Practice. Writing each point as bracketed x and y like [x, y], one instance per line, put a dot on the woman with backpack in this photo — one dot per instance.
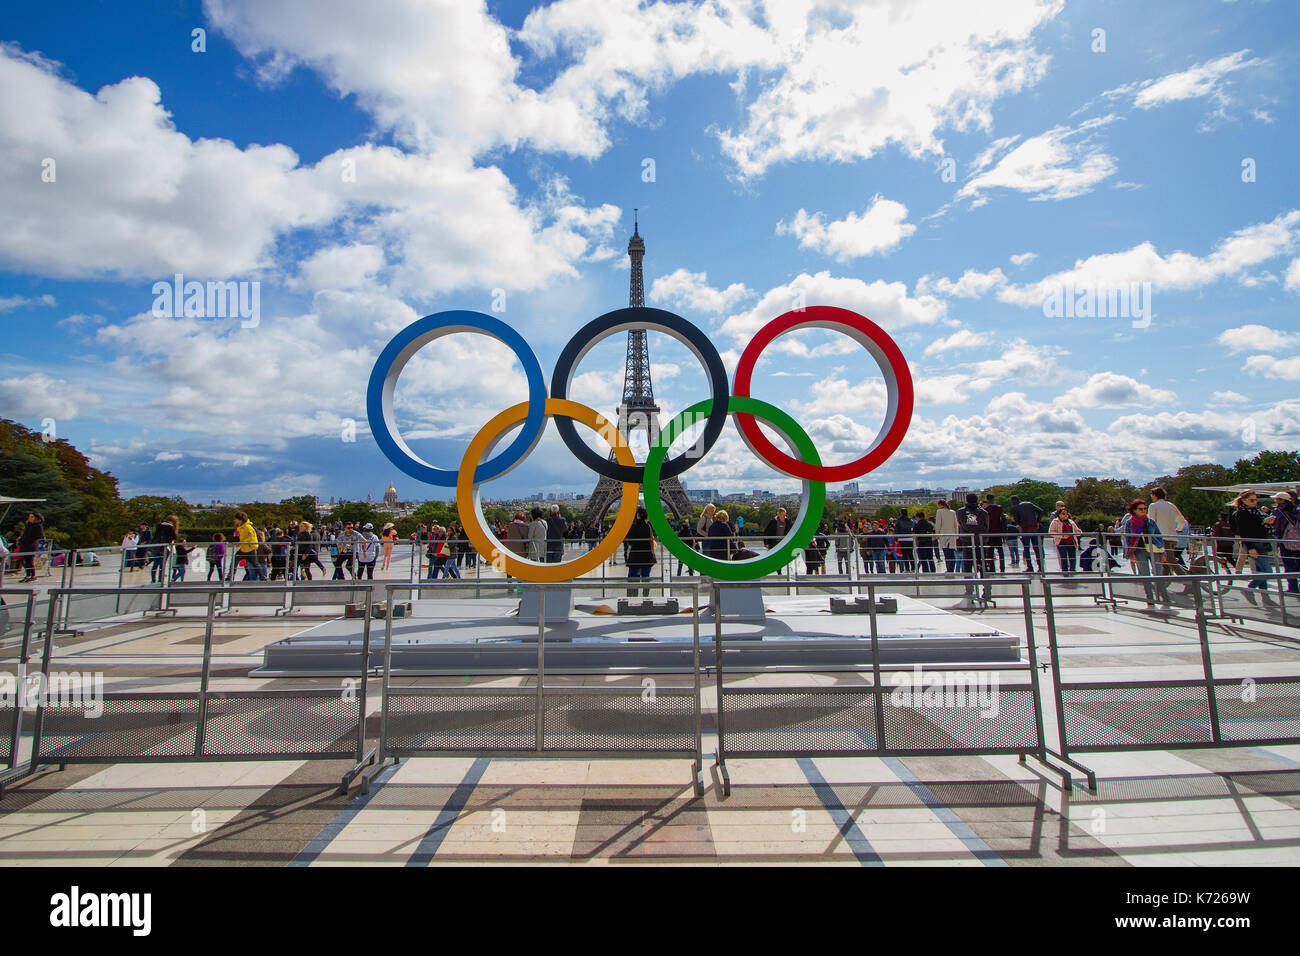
[216, 555]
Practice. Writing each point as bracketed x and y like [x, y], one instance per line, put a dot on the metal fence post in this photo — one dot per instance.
[15, 737]
[877, 687]
[45, 675]
[541, 660]
[1054, 649]
[1207, 666]
[205, 675]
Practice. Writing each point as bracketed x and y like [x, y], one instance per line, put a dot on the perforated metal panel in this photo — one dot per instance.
[960, 719]
[289, 722]
[422, 720]
[784, 720]
[1258, 710]
[622, 722]
[132, 725]
[8, 714]
[1118, 716]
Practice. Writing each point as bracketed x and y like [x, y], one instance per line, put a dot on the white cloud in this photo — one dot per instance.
[1258, 338]
[340, 267]
[142, 200]
[963, 339]
[916, 68]
[1293, 276]
[885, 303]
[19, 302]
[1228, 397]
[1201, 80]
[1112, 390]
[1059, 164]
[692, 290]
[1270, 367]
[1179, 270]
[880, 227]
[1024, 258]
[971, 285]
[38, 396]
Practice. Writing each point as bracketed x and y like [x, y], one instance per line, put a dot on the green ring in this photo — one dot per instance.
[812, 506]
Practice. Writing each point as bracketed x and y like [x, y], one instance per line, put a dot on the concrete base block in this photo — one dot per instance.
[559, 606]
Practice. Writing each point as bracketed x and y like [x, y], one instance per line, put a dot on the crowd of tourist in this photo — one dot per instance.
[979, 537]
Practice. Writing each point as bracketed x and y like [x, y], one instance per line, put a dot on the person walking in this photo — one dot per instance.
[129, 541]
[247, 536]
[216, 555]
[516, 539]
[973, 525]
[556, 530]
[537, 530]
[164, 539]
[1167, 515]
[308, 553]
[1065, 534]
[367, 552]
[997, 520]
[1255, 531]
[1029, 517]
[1286, 527]
[945, 526]
[389, 537]
[686, 532]
[924, 542]
[718, 539]
[640, 552]
[348, 542]
[1140, 538]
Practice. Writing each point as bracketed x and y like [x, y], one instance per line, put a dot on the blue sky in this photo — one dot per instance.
[944, 168]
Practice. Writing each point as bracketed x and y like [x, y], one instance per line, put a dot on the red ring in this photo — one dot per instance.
[892, 432]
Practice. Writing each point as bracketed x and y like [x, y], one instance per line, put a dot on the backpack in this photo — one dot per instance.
[214, 553]
[1291, 533]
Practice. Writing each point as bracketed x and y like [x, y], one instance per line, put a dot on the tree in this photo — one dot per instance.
[303, 505]
[37, 476]
[1045, 494]
[1100, 496]
[1268, 466]
[151, 509]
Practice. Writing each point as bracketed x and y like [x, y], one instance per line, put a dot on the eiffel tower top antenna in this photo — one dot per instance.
[638, 390]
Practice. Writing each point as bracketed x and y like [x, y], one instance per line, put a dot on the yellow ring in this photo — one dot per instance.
[469, 507]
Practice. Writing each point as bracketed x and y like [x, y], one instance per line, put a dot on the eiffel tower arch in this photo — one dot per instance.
[638, 409]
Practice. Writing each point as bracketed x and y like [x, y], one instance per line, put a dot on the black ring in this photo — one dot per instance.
[658, 320]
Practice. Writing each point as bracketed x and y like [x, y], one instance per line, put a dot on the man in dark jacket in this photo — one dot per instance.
[973, 527]
[776, 529]
[33, 534]
[556, 530]
[640, 552]
[1029, 516]
[996, 522]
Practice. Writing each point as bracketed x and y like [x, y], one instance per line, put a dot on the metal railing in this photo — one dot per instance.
[859, 716]
[205, 724]
[544, 720]
[1129, 714]
[872, 720]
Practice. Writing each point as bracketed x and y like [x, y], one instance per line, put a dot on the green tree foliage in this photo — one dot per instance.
[92, 515]
[1099, 496]
[36, 476]
[303, 505]
[1045, 494]
[151, 509]
[1268, 466]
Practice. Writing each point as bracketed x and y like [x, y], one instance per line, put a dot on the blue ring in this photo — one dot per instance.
[389, 365]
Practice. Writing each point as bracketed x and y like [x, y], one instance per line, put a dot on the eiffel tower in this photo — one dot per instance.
[638, 409]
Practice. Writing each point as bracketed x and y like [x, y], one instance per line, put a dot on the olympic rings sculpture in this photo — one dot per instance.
[479, 464]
